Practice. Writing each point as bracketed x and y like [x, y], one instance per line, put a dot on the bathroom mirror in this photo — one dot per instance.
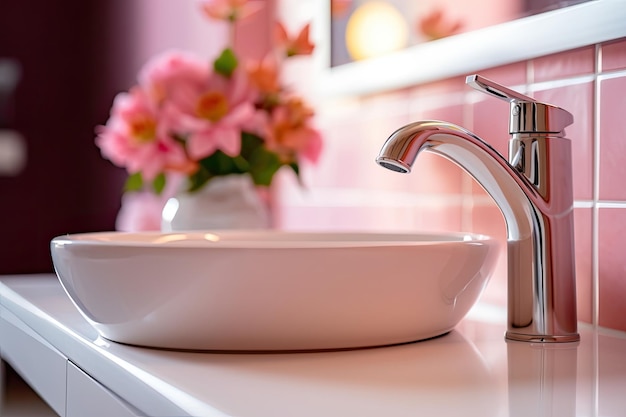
[529, 37]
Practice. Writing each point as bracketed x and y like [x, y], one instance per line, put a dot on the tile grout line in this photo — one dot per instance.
[595, 276]
[595, 289]
[467, 201]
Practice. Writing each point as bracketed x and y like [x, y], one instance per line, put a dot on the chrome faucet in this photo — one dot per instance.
[534, 192]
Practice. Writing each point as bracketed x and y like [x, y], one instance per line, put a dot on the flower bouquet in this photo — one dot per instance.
[198, 119]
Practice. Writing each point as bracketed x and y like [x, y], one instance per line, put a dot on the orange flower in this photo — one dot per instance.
[212, 105]
[264, 75]
[230, 10]
[142, 127]
[436, 26]
[338, 8]
[290, 131]
[299, 45]
[186, 167]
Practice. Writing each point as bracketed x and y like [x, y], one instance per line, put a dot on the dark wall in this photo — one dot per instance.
[72, 58]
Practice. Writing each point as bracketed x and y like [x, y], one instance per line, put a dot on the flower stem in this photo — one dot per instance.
[232, 33]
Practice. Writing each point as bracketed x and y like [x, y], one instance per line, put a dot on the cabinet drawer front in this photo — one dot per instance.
[37, 361]
[86, 397]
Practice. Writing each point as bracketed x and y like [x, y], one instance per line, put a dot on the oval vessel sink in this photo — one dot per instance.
[272, 290]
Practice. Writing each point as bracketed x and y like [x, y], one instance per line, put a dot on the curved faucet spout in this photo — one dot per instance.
[537, 208]
[507, 187]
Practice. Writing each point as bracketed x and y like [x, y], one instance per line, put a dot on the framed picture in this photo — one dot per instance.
[469, 45]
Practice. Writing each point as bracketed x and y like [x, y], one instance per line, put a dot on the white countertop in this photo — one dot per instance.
[471, 371]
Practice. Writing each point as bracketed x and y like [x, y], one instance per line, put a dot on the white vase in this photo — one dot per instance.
[228, 202]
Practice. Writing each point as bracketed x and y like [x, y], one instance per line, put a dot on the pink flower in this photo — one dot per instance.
[174, 76]
[136, 137]
[214, 115]
[230, 10]
[186, 108]
[204, 107]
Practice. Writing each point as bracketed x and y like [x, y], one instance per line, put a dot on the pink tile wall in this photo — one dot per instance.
[578, 99]
[612, 138]
[590, 82]
[565, 64]
[612, 267]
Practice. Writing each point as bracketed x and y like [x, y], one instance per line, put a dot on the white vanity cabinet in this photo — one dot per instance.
[68, 390]
[41, 365]
[86, 397]
[48, 342]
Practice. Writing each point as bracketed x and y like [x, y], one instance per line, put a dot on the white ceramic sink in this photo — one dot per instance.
[271, 290]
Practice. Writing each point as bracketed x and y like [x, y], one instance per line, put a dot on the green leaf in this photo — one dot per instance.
[217, 164]
[134, 182]
[263, 165]
[226, 63]
[221, 164]
[198, 179]
[249, 144]
[296, 168]
[263, 162]
[159, 183]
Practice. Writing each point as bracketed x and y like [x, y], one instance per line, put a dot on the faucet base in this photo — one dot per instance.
[542, 338]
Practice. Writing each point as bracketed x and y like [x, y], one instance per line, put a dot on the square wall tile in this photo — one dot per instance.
[439, 217]
[352, 143]
[477, 191]
[488, 220]
[612, 139]
[442, 87]
[511, 75]
[612, 268]
[565, 64]
[434, 174]
[578, 100]
[340, 163]
[583, 253]
[389, 218]
[614, 55]
[438, 100]
[451, 112]
[490, 121]
[346, 218]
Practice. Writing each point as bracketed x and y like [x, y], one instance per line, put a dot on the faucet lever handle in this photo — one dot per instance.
[494, 89]
[527, 114]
